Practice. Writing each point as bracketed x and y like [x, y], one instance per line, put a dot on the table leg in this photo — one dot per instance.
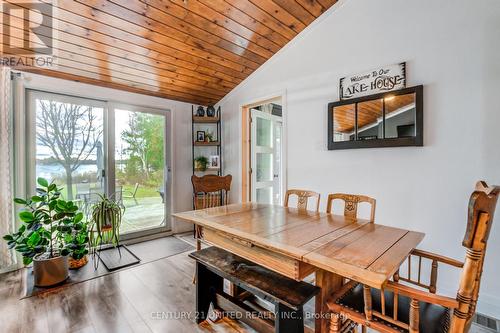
[329, 283]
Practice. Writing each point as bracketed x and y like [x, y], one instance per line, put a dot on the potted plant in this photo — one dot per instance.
[200, 163]
[77, 243]
[209, 136]
[47, 221]
[105, 224]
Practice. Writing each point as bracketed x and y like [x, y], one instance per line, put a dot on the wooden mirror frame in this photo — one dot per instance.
[416, 140]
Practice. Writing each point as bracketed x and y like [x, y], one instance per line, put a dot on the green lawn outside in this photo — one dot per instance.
[142, 191]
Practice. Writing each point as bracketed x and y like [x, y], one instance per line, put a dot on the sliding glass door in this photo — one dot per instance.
[140, 168]
[92, 147]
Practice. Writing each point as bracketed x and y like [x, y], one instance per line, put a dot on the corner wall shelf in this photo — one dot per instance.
[204, 148]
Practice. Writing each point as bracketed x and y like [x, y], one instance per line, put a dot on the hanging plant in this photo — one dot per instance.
[106, 218]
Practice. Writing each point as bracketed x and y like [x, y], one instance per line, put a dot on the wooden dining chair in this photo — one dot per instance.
[351, 202]
[209, 191]
[400, 307]
[302, 199]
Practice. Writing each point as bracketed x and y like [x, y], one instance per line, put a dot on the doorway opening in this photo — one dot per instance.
[263, 152]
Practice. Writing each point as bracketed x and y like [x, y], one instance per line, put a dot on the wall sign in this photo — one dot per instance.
[383, 79]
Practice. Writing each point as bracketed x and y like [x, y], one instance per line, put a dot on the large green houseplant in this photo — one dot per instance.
[51, 229]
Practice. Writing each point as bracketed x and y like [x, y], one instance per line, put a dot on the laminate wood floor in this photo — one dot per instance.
[154, 297]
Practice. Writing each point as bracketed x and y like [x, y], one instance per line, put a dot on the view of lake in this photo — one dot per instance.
[55, 170]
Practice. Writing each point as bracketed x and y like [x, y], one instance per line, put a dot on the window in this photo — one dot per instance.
[92, 148]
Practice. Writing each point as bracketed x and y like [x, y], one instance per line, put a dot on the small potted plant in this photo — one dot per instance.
[105, 224]
[77, 243]
[47, 221]
[200, 163]
[209, 136]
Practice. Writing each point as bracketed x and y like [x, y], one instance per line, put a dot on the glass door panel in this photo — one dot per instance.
[69, 145]
[266, 158]
[139, 157]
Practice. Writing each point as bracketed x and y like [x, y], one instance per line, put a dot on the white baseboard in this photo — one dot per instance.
[489, 305]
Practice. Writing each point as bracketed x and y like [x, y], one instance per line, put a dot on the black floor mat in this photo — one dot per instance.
[118, 257]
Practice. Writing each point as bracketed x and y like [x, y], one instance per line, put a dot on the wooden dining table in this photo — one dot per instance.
[297, 244]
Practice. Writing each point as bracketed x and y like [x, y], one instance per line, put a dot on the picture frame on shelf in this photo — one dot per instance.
[214, 162]
[200, 136]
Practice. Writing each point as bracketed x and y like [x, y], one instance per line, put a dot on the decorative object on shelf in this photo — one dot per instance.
[391, 119]
[210, 111]
[201, 163]
[45, 236]
[200, 112]
[105, 228]
[209, 136]
[200, 136]
[214, 162]
[383, 79]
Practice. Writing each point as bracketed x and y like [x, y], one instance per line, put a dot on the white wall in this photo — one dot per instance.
[452, 48]
[180, 136]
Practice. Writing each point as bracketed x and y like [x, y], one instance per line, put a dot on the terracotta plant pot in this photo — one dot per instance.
[77, 263]
[50, 271]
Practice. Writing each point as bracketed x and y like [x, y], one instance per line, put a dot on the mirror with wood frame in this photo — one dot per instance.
[389, 119]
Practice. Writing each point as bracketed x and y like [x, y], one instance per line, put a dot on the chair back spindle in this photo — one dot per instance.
[351, 202]
[209, 191]
[302, 199]
[481, 210]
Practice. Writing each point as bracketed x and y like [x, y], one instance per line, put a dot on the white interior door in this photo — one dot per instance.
[266, 157]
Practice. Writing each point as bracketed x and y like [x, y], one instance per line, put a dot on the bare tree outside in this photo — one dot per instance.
[71, 132]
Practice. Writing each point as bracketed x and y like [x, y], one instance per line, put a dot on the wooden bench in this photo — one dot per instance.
[288, 296]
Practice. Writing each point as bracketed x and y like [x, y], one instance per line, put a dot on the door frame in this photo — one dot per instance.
[245, 139]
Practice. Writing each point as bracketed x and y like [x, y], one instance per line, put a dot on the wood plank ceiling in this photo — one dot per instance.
[188, 50]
